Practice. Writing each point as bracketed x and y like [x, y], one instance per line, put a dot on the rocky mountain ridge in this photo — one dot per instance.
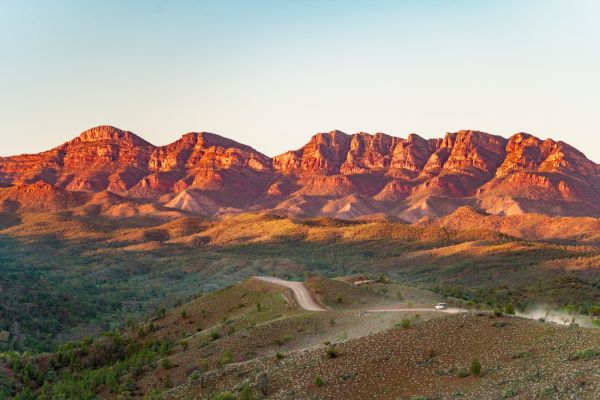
[334, 174]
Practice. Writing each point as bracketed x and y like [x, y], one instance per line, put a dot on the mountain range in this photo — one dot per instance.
[109, 171]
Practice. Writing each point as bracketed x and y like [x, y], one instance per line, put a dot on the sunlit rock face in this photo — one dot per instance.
[334, 174]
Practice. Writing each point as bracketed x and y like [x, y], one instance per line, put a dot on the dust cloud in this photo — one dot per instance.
[546, 314]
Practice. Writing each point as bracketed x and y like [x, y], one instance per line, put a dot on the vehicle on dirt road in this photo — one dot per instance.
[441, 306]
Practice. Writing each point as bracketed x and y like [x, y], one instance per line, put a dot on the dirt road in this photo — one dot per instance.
[302, 294]
[447, 310]
[306, 300]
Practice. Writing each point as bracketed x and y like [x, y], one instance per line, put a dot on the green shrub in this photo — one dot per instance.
[226, 357]
[245, 393]
[165, 363]
[462, 373]
[215, 334]
[153, 394]
[586, 354]
[283, 340]
[319, 381]
[509, 309]
[331, 352]
[194, 376]
[475, 367]
[570, 309]
[594, 311]
[404, 323]
[203, 364]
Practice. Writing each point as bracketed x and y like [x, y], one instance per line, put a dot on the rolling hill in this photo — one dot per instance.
[252, 341]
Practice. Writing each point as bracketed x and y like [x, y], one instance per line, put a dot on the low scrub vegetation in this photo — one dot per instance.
[586, 354]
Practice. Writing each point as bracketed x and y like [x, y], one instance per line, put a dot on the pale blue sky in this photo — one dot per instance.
[272, 73]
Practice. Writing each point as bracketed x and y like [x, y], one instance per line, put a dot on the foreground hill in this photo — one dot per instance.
[334, 174]
[252, 341]
[73, 273]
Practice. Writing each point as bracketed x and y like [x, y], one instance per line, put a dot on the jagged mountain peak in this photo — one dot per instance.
[463, 167]
[208, 139]
[109, 133]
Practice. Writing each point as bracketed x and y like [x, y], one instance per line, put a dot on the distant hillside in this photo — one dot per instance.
[334, 174]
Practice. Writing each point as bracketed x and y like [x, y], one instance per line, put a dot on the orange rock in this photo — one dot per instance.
[334, 174]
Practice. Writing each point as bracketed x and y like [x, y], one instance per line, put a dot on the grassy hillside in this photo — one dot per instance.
[65, 276]
[251, 341]
[237, 324]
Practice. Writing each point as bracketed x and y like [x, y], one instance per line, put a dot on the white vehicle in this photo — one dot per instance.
[441, 306]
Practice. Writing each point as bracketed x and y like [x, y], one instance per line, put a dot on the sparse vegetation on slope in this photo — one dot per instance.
[65, 276]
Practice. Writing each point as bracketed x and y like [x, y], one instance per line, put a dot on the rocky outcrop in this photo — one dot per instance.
[323, 154]
[334, 174]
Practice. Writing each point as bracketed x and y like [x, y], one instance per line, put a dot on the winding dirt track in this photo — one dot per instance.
[447, 310]
[302, 294]
[306, 300]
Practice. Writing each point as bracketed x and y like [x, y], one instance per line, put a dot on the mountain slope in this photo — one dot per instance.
[334, 174]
